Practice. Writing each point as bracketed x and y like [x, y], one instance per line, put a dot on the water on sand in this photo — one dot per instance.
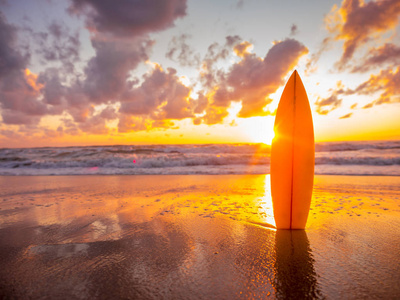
[184, 237]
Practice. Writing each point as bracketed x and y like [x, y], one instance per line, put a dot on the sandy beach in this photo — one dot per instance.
[195, 237]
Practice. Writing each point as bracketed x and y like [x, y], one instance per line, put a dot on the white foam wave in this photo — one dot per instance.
[331, 158]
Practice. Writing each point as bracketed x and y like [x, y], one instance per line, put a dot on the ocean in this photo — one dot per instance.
[334, 158]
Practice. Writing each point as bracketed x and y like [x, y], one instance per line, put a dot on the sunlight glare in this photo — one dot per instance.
[258, 129]
[267, 199]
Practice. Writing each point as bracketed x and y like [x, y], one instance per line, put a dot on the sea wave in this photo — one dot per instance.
[356, 158]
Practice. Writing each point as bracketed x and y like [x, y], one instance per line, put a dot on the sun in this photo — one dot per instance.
[258, 129]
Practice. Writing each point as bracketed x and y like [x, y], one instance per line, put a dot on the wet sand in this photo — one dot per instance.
[195, 237]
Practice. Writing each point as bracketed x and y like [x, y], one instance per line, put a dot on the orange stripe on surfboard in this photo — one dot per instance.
[292, 157]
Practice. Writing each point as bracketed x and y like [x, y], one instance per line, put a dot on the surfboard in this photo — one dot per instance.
[292, 157]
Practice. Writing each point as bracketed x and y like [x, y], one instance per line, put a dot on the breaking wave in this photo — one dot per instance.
[355, 158]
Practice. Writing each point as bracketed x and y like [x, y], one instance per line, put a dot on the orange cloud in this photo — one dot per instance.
[356, 23]
[346, 116]
[251, 80]
[387, 81]
[326, 105]
[128, 18]
[242, 49]
[31, 80]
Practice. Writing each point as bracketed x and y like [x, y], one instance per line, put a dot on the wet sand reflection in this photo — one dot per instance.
[185, 242]
[295, 274]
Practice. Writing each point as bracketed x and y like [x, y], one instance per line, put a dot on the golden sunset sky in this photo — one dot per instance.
[97, 72]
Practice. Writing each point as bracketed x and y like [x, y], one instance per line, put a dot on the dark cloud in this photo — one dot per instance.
[357, 22]
[94, 125]
[107, 72]
[19, 90]
[326, 105]
[53, 90]
[105, 90]
[11, 60]
[109, 113]
[120, 40]
[56, 46]
[129, 18]
[179, 50]
[59, 46]
[161, 96]
[13, 117]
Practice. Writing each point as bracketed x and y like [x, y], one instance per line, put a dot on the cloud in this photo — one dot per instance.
[129, 18]
[11, 60]
[354, 106]
[369, 105]
[326, 105]
[180, 51]
[109, 113]
[356, 23]
[387, 82]
[104, 90]
[53, 90]
[346, 116]
[57, 44]
[293, 30]
[160, 96]
[377, 57]
[311, 65]
[19, 89]
[106, 74]
[210, 75]
[214, 115]
[120, 39]
[128, 123]
[200, 104]
[95, 125]
[119, 36]
[243, 48]
[253, 79]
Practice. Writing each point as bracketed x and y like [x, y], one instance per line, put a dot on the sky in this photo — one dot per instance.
[97, 72]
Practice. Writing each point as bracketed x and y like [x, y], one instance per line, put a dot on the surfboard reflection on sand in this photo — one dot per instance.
[295, 275]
